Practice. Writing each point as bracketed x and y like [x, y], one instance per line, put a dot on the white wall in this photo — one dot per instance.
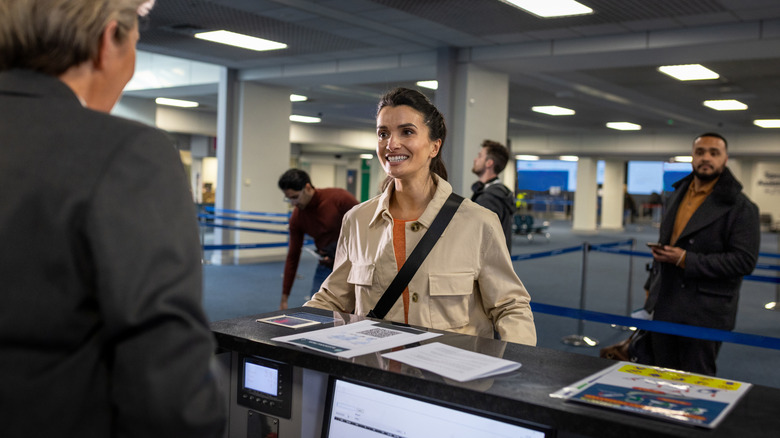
[765, 188]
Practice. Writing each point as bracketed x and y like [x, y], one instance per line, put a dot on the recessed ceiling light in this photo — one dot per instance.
[767, 123]
[240, 40]
[624, 126]
[569, 158]
[175, 102]
[725, 105]
[683, 159]
[553, 110]
[527, 157]
[551, 8]
[432, 85]
[688, 72]
[366, 156]
[304, 119]
[298, 98]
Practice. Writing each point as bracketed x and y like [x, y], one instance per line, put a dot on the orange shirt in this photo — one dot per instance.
[399, 248]
[693, 199]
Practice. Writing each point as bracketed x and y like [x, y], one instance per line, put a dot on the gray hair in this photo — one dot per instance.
[51, 36]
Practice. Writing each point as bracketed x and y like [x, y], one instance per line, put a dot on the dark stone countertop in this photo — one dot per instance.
[524, 393]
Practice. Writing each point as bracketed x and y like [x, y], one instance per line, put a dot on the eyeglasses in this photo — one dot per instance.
[293, 199]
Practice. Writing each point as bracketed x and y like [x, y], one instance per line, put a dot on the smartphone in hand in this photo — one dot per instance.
[654, 245]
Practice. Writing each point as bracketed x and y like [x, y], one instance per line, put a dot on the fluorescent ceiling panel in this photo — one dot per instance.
[298, 98]
[551, 8]
[432, 85]
[240, 40]
[553, 110]
[725, 105]
[624, 126]
[688, 72]
[304, 119]
[175, 102]
[767, 123]
[527, 157]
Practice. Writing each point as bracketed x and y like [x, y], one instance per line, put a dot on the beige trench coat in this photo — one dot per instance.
[467, 284]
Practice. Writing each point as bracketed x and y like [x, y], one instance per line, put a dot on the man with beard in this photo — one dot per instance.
[709, 240]
[488, 191]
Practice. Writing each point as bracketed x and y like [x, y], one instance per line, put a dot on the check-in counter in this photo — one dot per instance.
[293, 403]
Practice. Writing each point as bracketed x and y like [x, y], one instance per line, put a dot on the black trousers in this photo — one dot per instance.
[685, 354]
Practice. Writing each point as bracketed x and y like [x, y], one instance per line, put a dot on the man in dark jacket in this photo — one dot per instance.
[488, 191]
[710, 238]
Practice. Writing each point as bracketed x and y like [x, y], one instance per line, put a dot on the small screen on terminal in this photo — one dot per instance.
[261, 378]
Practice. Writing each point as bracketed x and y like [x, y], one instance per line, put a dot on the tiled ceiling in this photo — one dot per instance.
[602, 65]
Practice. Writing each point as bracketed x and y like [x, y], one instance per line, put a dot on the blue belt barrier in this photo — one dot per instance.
[608, 249]
[546, 253]
[763, 278]
[233, 218]
[243, 246]
[661, 326]
[230, 227]
[255, 213]
[250, 245]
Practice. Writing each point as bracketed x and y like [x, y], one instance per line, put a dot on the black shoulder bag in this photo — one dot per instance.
[416, 258]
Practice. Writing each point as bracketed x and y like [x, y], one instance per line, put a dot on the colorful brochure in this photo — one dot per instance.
[677, 396]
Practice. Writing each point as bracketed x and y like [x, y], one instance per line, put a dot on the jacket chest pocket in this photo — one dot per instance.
[450, 299]
[361, 276]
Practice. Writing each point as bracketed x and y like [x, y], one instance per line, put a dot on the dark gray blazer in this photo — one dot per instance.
[102, 331]
[722, 239]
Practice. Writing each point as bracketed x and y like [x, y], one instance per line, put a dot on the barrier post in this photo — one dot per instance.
[580, 340]
[629, 299]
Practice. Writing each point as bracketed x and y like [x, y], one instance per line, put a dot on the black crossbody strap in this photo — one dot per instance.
[407, 271]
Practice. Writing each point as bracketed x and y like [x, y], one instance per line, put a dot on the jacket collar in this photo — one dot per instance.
[382, 212]
[720, 201]
[726, 189]
[34, 84]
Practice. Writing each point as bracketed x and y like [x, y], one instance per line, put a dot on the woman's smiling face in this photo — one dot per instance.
[404, 147]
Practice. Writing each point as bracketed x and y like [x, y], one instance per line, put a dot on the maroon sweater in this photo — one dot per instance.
[321, 219]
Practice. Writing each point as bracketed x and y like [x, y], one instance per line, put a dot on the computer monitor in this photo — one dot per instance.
[360, 410]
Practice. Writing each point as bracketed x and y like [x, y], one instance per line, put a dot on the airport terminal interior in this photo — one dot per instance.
[588, 104]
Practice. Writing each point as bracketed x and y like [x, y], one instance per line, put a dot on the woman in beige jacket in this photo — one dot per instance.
[467, 284]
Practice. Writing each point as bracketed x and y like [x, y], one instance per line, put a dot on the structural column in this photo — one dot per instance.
[586, 196]
[613, 195]
[479, 110]
[253, 150]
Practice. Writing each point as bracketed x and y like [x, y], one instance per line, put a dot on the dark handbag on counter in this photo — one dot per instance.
[416, 258]
[635, 348]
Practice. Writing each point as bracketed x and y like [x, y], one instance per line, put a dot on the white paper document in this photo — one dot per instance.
[452, 362]
[356, 339]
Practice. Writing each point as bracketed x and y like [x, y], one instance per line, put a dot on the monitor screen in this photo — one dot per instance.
[356, 410]
[261, 378]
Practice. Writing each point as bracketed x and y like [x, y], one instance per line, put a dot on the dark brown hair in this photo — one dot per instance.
[434, 120]
[498, 153]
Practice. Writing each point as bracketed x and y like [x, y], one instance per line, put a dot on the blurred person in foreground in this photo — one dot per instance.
[467, 283]
[709, 238]
[102, 330]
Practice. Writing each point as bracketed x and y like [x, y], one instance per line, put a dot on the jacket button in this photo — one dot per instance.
[416, 226]
[690, 241]
[415, 297]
